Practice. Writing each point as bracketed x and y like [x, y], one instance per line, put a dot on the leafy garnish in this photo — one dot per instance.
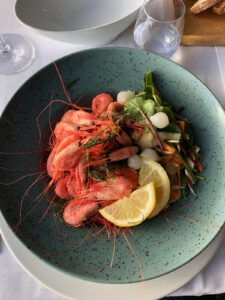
[137, 107]
[193, 177]
[148, 107]
[150, 89]
[97, 139]
[131, 109]
[134, 105]
[184, 183]
[189, 136]
[96, 175]
[200, 177]
[172, 127]
[101, 173]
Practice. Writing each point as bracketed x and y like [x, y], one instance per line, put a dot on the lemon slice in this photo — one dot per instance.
[153, 171]
[133, 210]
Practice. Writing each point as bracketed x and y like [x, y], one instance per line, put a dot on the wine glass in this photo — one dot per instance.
[159, 26]
[16, 53]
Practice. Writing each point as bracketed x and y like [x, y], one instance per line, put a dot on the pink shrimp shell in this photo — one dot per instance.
[100, 103]
[123, 138]
[78, 117]
[115, 107]
[64, 129]
[76, 214]
[61, 189]
[114, 190]
[50, 165]
[66, 158]
[122, 153]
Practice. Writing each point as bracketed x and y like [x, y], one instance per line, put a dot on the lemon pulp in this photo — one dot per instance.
[153, 171]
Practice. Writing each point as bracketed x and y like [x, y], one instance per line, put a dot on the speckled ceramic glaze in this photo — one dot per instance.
[159, 248]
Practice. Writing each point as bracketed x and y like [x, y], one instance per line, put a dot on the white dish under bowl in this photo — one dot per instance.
[77, 289]
[89, 22]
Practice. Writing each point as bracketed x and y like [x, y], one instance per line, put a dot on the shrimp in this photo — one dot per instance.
[114, 190]
[63, 129]
[78, 117]
[71, 186]
[50, 166]
[79, 174]
[77, 212]
[128, 173]
[123, 138]
[68, 185]
[66, 159]
[115, 107]
[122, 153]
[75, 215]
[61, 188]
[68, 116]
[66, 142]
[83, 118]
[100, 103]
[82, 141]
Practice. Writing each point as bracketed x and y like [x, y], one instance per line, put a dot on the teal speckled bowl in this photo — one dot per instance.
[159, 248]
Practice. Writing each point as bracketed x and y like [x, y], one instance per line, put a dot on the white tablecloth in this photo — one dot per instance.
[207, 63]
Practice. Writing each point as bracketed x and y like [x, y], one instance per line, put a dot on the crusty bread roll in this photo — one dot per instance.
[219, 8]
[201, 5]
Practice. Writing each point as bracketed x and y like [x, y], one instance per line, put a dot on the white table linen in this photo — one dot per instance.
[207, 63]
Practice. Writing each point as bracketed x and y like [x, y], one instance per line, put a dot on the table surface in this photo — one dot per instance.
[207, 63]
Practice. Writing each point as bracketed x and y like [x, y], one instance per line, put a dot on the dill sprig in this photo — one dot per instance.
[102, 137]
[101, 173]
[96, 175]
[97, 139]
[108, 173]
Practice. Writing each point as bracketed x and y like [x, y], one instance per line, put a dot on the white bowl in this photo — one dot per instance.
[93, 22]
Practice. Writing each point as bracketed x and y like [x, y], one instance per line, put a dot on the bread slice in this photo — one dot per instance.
[201, 5]
[219, 8]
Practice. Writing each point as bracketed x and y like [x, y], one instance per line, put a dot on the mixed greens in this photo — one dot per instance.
[165, 131]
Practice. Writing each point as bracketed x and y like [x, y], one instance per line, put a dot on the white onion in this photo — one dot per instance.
[134, 162]
[151, 154]
[190, 162]
[146, 140]
[160, 120]
[124, 96]
[169, 135]
[188, 175]
[136, 135]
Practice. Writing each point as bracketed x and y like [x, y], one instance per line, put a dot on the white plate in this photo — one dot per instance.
[93, 22]
[77, 289]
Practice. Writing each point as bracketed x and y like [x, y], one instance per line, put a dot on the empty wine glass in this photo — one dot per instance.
[16, 53]
[159, 26]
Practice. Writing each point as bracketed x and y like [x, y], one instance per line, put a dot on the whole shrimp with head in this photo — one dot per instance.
[88, 160]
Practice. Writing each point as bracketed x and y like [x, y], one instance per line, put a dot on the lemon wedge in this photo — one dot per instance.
[133, 210]
[153, 171]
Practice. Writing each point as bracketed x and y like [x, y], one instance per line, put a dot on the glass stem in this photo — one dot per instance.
[4, 47]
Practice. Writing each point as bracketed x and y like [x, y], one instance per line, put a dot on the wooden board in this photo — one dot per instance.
[203, 29]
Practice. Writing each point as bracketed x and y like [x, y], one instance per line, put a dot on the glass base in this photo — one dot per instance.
[18, 56]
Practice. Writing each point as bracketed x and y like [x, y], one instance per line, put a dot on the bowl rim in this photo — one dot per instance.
[176, 284]
[99, 280]
[75, 30]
